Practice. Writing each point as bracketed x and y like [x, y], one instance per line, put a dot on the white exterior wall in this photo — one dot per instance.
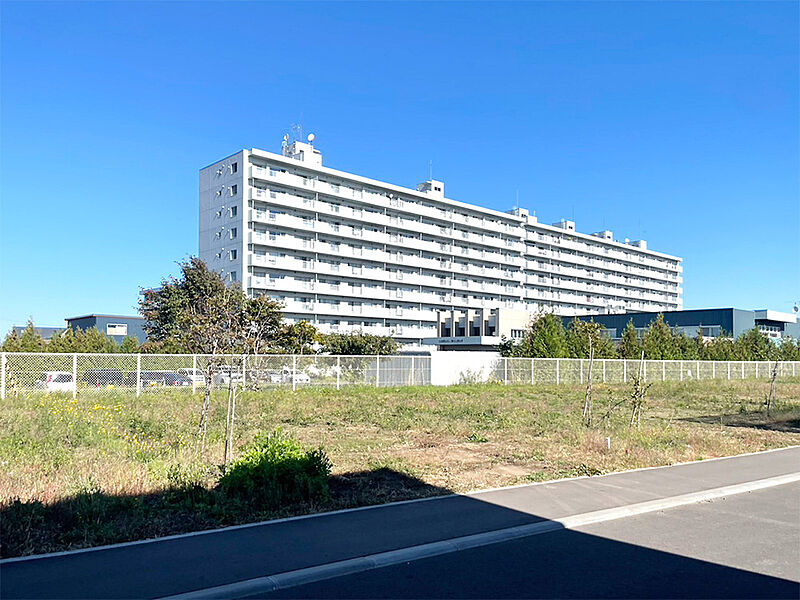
[350, 253]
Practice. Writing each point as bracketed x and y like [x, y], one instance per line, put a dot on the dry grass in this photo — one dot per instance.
[53, 448]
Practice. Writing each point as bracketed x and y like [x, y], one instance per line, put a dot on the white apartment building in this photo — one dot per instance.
[348, 253]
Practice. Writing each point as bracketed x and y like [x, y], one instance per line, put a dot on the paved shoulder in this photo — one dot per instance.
[184, 563]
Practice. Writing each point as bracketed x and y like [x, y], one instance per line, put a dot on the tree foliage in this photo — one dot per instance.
[197, 313]
[548, 338]
[358, 343]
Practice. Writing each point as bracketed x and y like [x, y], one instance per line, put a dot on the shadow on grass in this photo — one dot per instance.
[783, 421]
[96, 518]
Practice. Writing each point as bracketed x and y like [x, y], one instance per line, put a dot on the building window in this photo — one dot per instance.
[234, 210]
[234, 189]
[234, 233]
[234, 168]
[233, 254]
[233, 276]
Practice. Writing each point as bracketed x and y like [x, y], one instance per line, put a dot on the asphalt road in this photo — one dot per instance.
[224, 557]
[743, 546]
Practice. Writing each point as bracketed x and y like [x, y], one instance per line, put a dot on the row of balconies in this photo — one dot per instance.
[353, 230]
[612, 266]
[292, 263]
[289, 263]
[568, 291]
[515, 229]
[611, 279]
[289, 241]
[382, 200]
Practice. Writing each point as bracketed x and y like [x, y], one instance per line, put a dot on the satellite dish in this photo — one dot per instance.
[796, 308]
[311, 137]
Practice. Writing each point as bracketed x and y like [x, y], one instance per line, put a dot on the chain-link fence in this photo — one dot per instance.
[140, 373]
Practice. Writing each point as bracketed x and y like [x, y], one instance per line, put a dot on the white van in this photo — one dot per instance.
[56, 381]
[196, 376]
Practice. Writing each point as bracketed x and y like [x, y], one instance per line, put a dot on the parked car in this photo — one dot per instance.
[56, 381]
[299, 377]
[193, 375]
[225, 374]
[157, 378]
[176, 379]
[101, 378]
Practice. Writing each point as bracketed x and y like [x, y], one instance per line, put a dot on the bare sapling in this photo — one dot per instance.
[638, 395]
[588, 399]
[771, 398]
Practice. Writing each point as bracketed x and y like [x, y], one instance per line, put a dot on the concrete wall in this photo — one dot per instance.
[449, 368]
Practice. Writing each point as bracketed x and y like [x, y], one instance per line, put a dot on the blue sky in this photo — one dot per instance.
[672, 122]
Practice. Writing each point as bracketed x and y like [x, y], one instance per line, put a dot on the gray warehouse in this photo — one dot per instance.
[712, 321]
[114, 326]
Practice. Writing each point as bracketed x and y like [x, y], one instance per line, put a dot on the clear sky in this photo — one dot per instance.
[672, 122]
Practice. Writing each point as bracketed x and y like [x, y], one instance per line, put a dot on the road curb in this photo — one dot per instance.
[383, 559]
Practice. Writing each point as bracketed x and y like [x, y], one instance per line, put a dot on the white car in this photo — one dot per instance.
[224, 377]
[298, 377]
[56, 381]
[196, 376]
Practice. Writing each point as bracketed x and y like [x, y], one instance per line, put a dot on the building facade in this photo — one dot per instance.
[713, 322]
[117, 327]
[347, 253]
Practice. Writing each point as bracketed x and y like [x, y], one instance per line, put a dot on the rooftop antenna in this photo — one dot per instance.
[297, 132]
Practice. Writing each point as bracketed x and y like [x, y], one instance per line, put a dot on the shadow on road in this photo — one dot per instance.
[563, 563]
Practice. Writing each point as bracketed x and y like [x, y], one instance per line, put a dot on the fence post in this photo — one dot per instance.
[793, 364]
[377, 370]
[194, 374]
[604, 370]
[75, 375]
[558, 372]
[644, 374]
[413, 380]
[729, 370]
[533, 362]
[756, 369]
[624, 371]
[244, 372]
[338, 371]
[505, 371]
[713, 369]
[580, 359]
[663, 370]
[3, 376]
[742, 369]
[294, 372]
[139, 375]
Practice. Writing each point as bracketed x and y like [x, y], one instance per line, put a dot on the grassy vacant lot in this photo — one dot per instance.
[110, 467]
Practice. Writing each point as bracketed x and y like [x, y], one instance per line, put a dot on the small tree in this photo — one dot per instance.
[659, 341]
[64, 341]
[587, 401]
[129, 345]
[630, 346]
[638, 394]
[28, 341]
[299, 338]
[197, 313]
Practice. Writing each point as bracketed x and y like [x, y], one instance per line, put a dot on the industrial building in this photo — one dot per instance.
[713, 322]
[117, 327]
[348, 253]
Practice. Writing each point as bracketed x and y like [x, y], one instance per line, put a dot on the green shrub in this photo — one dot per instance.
[277, 471]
